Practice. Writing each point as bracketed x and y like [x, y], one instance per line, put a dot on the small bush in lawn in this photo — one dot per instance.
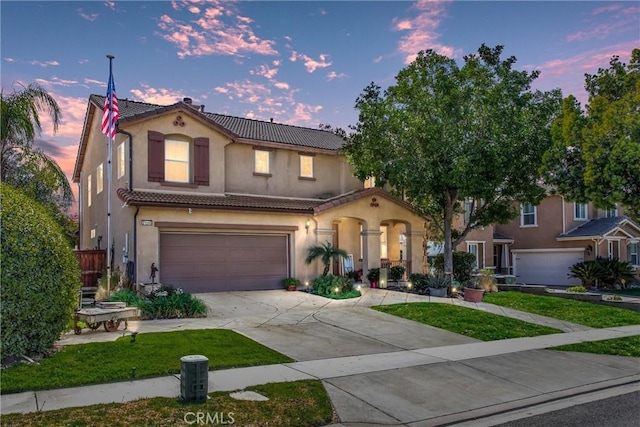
[579, 289]
[334, 287]
[165, 303]
[40, 277]
[419, 282]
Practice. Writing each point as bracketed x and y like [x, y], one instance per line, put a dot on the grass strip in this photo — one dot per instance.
[580, 312]
[151, 355]
[466, 321]
[626, 346]
[300, 403]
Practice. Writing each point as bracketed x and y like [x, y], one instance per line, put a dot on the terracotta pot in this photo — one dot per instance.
[473, 295]
[292, 288]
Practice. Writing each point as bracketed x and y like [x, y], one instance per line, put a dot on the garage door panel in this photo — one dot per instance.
[217, 262]
[546, 268]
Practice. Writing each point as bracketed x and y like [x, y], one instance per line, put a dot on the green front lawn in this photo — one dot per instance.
[466, 321]
[627, 346]
[582, 313]
[300, 403]
[151, 355]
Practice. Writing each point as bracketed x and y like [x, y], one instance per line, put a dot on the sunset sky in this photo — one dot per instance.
[298, 62]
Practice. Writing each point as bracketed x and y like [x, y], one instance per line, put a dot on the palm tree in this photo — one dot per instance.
[22, 165]
[326, 252]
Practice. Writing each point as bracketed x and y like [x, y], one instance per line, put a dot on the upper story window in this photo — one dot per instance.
[528, 215]
[370, 182]
[99, 178]
[261, 162]
[306, 166]
[89, 190]
[610, 213]
[178, 159]
[632, 253]
[580, 212]
[121, 160]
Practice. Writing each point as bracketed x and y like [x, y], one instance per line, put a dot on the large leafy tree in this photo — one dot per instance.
[596, 153]
[446, 135]
[23, 165]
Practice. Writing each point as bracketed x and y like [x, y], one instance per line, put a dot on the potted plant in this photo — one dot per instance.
[419, 282]
[472, 291]
[396, 272]
[373, 275]
[291, 283]
[438, 285]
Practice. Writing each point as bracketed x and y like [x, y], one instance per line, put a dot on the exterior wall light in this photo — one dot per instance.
[307, 224]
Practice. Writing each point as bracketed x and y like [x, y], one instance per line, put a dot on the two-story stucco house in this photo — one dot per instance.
[227, 203]
[542, 244]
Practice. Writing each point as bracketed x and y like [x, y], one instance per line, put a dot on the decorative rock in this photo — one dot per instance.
[248, 395]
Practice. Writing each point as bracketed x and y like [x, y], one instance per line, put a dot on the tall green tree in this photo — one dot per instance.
[21, 164]
[446, 135]
[611, 148]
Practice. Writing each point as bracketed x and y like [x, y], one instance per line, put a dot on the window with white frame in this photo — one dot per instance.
[370, 182]
[121, 160]
[89, 190]
[472, 248]
[528, 215]
[306, 166]
[99, 178]
[580, 211]
[632, 254]
[611, 213]
[176, 160]
[361, 242]
[261, 162]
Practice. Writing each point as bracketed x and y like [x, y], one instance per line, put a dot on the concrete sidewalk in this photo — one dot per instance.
[377, 369]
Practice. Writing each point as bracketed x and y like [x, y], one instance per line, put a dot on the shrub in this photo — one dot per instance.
[40, 277]
[588, 272]
[463, 265]
[438, 281]
[616, 272]
[396, 272]
[578, 289]
[419, 282]
[327, 285]
[165, 303]
[290, 281]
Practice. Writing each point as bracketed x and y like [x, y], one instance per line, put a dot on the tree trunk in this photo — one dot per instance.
[448, 217]
[326, 269]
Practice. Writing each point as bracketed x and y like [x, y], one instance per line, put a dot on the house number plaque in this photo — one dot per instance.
[146, 222]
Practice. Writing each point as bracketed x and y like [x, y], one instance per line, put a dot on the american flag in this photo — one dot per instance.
[110, 113]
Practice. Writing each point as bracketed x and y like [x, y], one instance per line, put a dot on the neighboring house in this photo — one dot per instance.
[542, 244]
[226, 203]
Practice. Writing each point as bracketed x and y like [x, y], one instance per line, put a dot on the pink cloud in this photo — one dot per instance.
[311, 64]
[160, 96]
[9, 59]
[333, 75]
[422, 34]
[604, 9]
[281, 85]
[110, 4]
[623, 21]
[55, 81]
[264, 71]
[219, 30]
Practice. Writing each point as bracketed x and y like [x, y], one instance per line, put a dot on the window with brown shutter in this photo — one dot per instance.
[155, 157]
[201, 161]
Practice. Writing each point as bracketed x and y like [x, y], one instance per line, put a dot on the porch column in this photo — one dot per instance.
[370, 250]
[415, 251]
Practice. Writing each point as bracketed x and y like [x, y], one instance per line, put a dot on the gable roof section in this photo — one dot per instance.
[600, 228]
[237, 128]
[357, 195]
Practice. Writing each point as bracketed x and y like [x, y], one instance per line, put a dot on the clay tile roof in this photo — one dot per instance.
[243, 128]
[229, 201]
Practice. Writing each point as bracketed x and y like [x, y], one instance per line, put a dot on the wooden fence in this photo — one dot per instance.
[92, 263]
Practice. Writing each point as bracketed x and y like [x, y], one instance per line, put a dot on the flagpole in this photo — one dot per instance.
[109, 260]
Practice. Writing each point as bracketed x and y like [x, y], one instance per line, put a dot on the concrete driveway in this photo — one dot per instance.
[382, 370]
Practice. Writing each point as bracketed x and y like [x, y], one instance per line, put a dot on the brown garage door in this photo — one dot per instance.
[222, 262]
